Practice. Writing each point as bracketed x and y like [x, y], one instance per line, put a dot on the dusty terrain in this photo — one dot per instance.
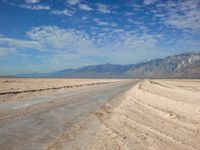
[12, 89]
[130, 114]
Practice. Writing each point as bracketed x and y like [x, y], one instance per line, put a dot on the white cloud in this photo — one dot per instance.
[128, 13]
[149, 2]
[32, 1]
[36, 7]
[76, 43]
[50, 39]
[20, 44]
[73, 2]
[113, 24]
[57, 39]
[84, 17]
[185, 43]
[103, 8]
[63, 12]
[85, 7]
[184, 15]
[106, 29]
[130, 20]
[136, 22]
[118, 30]
[101, 23]
[124, 47]
[4, 51]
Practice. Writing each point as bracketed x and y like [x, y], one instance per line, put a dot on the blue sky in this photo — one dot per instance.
[48, 35]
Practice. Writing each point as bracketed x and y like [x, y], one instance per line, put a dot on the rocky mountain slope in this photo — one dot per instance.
[186, 65]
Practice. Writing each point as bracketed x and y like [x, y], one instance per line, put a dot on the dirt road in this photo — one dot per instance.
[35, 124]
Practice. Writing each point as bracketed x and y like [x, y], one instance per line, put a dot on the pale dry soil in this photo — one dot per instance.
[131, 114]
[15, 89]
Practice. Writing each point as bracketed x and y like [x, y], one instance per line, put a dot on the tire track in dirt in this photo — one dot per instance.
[141, 119]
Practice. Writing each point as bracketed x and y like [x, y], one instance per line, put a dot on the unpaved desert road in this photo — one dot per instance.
[34, 123]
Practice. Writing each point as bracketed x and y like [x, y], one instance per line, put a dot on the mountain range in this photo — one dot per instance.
[186, 65]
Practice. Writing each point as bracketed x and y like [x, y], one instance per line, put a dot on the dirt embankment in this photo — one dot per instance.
[12, 89]
[155, 114]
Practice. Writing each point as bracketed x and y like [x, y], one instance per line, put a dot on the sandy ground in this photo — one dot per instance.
[155, 114]
[12, 89]
[150, 114]
[36, 123]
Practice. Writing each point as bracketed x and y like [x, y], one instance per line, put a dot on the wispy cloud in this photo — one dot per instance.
[149, 2]
[103, 8]
[113, 24]
[136, 22]
[73, 2]
[128, 13]
[66, 46]
[36, 7]
[4, 51]
[20, 44]
[85, 7]
[58, 39]
[63, 12]
[32, 1]
[101, 23]
[184, 15]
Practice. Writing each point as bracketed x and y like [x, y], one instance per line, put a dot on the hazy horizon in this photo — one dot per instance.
[65, 68]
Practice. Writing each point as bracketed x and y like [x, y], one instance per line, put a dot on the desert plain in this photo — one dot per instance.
[99, 114]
